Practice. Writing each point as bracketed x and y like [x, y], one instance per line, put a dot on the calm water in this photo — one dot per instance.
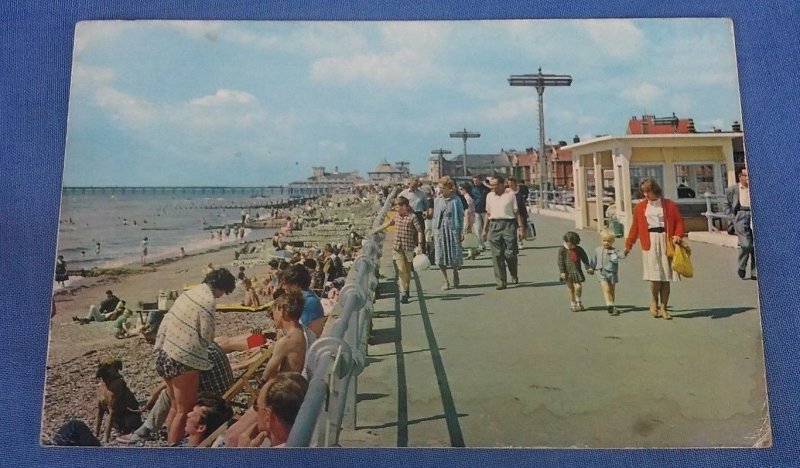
[119, 223]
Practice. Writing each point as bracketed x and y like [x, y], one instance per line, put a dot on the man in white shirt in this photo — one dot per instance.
[737, 207]
[503, 218]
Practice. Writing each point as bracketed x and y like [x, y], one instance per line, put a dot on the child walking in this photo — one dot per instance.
[605, 262]
[570, 257]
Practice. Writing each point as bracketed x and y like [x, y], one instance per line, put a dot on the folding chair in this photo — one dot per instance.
[243, 382]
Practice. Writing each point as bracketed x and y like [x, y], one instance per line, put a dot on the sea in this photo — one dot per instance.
[118, 222]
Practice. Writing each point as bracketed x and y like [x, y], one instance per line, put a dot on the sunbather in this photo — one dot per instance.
[288, 355]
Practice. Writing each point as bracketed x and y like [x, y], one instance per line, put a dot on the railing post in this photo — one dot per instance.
[709, 213]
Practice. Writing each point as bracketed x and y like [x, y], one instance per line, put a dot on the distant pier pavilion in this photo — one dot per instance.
[293, 190]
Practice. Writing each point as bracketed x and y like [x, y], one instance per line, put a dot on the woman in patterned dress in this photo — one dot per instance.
[448, 222]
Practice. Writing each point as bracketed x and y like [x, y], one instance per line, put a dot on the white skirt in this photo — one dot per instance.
[656, 266]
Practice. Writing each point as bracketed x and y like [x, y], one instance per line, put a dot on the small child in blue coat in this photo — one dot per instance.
[605, 263]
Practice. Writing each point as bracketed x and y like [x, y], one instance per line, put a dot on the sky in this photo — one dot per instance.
[245, 103]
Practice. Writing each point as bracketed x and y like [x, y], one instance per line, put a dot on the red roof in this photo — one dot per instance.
[637, 126]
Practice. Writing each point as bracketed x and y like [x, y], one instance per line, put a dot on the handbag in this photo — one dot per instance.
[682, 262]
[670, 249]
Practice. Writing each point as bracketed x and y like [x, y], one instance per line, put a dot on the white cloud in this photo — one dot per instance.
[220, 111]
[124, 106]
[88, 76]
[405, 68]
[643, 94]
[512, 110]
[223, 97]
[616, 37]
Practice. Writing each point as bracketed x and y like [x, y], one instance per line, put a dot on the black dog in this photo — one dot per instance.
[114, 397]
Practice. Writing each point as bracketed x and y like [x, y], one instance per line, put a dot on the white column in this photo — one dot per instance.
[727, 151]
[580, 192]
[624, 203]
[598, 188]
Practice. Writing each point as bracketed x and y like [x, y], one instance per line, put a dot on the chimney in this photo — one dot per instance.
[737, 127]
[690, 126]
[576, 139]
[562, 143]
[335, 169]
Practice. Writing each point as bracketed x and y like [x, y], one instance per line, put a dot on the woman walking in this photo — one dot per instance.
[181, 348]
[657, 225]
[61, 271]
[448, 222]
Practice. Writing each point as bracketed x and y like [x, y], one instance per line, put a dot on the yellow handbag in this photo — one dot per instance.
[682, 262]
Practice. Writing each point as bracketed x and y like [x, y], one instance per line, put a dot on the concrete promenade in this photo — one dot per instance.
[478, 367]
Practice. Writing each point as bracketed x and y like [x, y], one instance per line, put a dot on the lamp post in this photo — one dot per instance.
[464, 135]
[441, 153]
[540, 81]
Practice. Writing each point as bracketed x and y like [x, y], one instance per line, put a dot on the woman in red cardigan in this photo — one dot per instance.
[657, 225]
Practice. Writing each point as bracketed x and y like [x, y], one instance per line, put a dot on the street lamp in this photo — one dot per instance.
[540, 81]
[464, 135]
[441, 152]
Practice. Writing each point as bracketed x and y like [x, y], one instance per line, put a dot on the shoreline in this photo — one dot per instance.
[74, 350]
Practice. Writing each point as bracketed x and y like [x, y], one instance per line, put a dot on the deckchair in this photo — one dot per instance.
[209, 441]
[243, 382]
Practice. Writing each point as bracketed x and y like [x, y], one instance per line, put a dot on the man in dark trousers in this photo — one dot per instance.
[737, 207]
[478, 193]
[501, 231]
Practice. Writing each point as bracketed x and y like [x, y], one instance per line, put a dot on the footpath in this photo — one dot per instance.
[477, 367]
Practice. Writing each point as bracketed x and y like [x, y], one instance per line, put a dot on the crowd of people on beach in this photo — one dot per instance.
[296, 294]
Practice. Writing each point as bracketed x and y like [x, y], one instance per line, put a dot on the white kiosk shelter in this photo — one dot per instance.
[687, 166]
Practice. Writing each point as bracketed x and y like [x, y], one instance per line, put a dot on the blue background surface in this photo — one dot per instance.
[35, 58]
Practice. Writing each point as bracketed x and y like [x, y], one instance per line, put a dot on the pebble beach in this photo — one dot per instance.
[74, 350]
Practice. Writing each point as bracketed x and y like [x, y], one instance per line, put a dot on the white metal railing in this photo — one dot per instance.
[710, 214]
[339, 355]
[555, 199]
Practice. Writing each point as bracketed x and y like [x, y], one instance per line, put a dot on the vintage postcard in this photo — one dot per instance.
[566, 261]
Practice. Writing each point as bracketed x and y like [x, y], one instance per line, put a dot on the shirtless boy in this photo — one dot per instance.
[288, 355]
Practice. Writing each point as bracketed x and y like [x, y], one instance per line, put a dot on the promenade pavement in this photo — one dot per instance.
[478, 367]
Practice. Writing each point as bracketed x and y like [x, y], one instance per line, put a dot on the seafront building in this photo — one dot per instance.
[524, 165]
[689, 166]
[385, 173]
